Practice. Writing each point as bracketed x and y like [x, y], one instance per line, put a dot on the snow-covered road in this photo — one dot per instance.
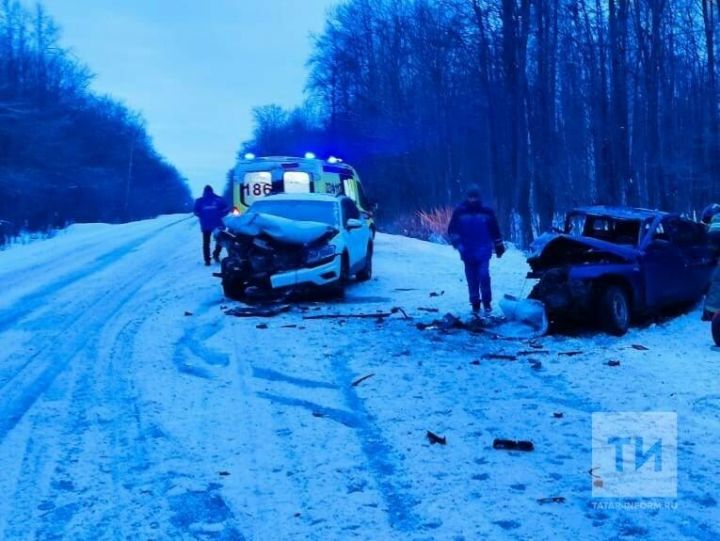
[133, 407]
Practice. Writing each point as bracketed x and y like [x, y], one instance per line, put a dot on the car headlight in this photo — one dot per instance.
[318, 255]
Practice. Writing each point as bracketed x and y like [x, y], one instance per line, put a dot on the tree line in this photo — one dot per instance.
[67, 154]
[546, 104]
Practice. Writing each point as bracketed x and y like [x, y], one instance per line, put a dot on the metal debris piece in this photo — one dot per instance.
[554, 499]
[499, 357]
[360, 380]
[513, 445]
[258, 311]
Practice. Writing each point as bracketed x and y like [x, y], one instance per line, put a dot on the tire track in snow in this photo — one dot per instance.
[192, 346]
[131, 490]
[88, 243]
[39, 265]
[158, 470]
[35, 378]
[264, 504]
[91, 423]
[377, 470]
[22, 390]
[26, 492]
[150, 484]
[43, 478]
[28, 303]
[60, 323]
[384, 466]
[151, 465]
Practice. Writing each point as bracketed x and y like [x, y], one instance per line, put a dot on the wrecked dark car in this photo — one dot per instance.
[613, 264]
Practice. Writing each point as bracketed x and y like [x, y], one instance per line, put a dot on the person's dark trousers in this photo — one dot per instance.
[207, 235]
[477, 272]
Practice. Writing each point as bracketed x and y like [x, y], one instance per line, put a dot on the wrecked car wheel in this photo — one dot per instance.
[615, 310]
[338, 288]
[345, 270]
[232, 283]
[366, 273]
[233, 290]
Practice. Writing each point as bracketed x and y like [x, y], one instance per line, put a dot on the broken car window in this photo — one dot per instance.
[605, 228]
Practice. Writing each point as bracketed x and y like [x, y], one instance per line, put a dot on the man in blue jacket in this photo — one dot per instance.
[474, 232]
[210, 208]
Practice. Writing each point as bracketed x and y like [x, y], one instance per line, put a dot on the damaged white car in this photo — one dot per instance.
[296, 241]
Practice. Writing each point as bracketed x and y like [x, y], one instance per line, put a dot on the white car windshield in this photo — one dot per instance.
[306, 211]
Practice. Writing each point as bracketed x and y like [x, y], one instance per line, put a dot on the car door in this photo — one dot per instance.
[691, 238]
[664, 266]
[357, 238]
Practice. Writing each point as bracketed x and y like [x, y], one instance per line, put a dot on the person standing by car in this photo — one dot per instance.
[711, 218]
[210, 209]
[474, 232]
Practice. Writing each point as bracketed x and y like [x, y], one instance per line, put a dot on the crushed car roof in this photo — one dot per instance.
[627, 213]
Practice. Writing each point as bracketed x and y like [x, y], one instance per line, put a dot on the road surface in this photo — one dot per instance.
[133, 407]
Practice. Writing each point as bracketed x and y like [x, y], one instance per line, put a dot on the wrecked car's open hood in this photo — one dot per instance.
[571, 250]
[283, 230]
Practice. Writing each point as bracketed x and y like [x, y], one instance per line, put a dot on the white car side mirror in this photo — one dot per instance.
[353, 223]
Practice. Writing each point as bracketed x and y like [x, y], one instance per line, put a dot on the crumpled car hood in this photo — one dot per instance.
[562, 250]
[253, 224]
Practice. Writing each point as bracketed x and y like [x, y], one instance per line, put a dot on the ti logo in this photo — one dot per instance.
[642, 456]
[634, 455]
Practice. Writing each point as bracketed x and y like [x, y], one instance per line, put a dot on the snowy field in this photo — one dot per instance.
[133, 407]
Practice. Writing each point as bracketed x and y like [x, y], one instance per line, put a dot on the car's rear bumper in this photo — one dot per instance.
[322, 275]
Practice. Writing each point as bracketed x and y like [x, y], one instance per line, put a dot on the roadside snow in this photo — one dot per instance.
[123, 417]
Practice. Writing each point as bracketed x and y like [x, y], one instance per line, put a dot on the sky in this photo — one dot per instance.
[194, 69]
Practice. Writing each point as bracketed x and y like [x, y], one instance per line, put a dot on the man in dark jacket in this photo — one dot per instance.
[711, 218]
[210, 208]
[474, 232]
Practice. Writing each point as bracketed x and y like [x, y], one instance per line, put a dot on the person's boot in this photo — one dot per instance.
[207, 262]
[488, 308]
[476, 307]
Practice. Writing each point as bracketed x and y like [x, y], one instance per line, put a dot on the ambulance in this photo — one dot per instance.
[257, 177]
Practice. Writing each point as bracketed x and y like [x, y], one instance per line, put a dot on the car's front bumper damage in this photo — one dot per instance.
[563, 296]
[319, 276]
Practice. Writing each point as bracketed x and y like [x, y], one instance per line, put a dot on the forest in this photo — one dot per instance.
[545, 104]
[66, 154]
